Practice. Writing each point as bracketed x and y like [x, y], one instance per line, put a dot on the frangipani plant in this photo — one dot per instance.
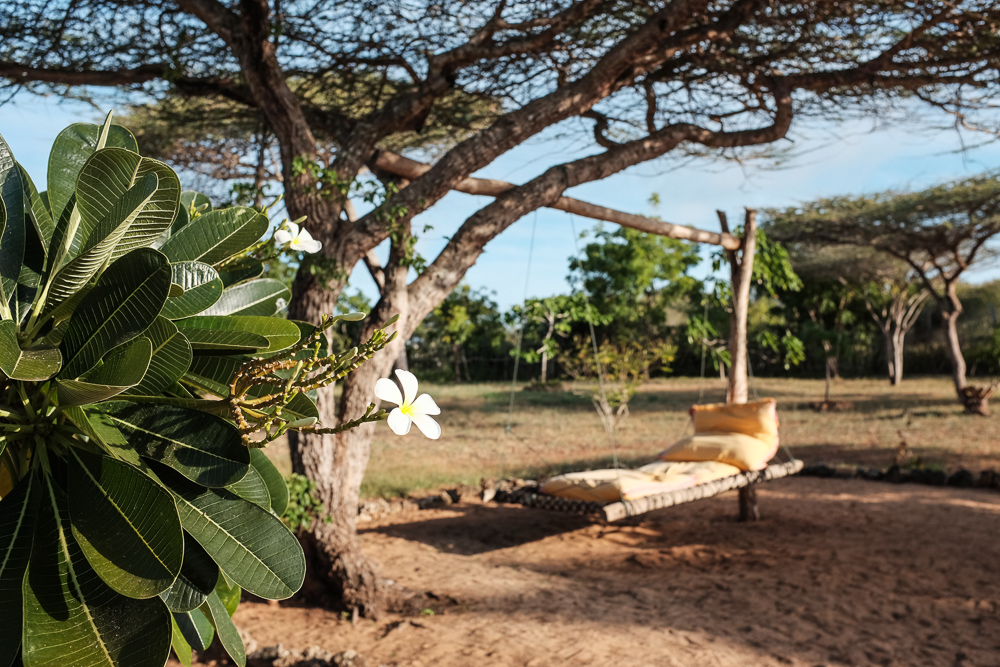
[141, 367]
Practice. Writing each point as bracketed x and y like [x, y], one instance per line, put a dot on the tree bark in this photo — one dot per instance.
[895, 320]
[951, 309]
[340, 573]
[896, 365]
[737, 391]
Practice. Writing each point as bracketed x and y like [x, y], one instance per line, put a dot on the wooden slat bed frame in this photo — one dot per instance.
[529, 496]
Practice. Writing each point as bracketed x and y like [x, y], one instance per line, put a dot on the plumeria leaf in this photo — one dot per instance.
[252, 547]
[252, 488]
[235, 272]
[12, 229]
[279, 334]
[17, 523]
[33, 364]
[171, 357]
[277, 491]
[126, 300]
[195, 628]
[216, 236]
[216, 340]
[257, 297]
[64, 598]
[72, 147]
[126, 525]
[200, 446]
[197, 579]
[202, 288]
[224, 628]
[181, 647]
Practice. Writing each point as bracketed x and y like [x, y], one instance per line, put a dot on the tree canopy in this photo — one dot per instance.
[938, 232]
[336, 82]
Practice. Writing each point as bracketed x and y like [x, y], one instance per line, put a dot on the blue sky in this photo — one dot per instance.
[849, 158]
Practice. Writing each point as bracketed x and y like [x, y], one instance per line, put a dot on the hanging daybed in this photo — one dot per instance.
[729, 449]
[732, 446]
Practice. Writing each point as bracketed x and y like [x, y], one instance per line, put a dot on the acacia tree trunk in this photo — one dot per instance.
[339, 572]
[895, 320]
[975, 400]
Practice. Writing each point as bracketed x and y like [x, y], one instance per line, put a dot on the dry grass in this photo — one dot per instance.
[554, 432]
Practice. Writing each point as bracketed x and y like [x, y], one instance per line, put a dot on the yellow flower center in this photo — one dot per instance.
[407, 409]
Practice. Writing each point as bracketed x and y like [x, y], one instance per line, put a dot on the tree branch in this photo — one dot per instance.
[411, 169]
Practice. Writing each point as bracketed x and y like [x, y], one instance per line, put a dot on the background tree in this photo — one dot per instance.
[939, 233]
[648, 79]
[466, 323]
[544, 321]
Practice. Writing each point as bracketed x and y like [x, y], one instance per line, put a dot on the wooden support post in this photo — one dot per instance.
[749, 511]
[741, 271]
[741, 268]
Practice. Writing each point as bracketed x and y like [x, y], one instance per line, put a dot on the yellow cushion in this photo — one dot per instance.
[737, 449]
[611, 486]
[759, 418]
[614, 485]
[702, 471]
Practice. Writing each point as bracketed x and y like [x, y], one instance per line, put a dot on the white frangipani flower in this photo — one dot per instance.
[412, 408]
[299, 240]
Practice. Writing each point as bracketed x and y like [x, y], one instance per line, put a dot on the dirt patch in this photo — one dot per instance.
[839, 572]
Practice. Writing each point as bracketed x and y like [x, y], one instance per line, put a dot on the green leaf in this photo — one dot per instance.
[216, 236]
[202, 447]
[123, 368]
[193, 198]
[252, 488]
[31, 365]
[276, 488]
[182, 649]
[12, 229]
[125, 365]
[229, 636]
[197, 579]
[70, 151]
[171, 358]
[183, 217]
[126, 525]
[125, 301]
[202, 288]
[29, 279]
[222, 341]
[71, 617]
[17, 522]
[251, 546]
[195, 628]
[105, 178]
[280, 334]
[257, 297]
[238, 271]
[41, 217]
[102, 238]
[229, 594]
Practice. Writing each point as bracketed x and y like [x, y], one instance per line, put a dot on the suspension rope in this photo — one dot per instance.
[704, 348]
[606, 421]
[520, 339]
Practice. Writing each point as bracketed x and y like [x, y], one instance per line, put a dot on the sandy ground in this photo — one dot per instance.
[839, 572]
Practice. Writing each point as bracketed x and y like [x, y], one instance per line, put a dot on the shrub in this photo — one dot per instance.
[142, 364]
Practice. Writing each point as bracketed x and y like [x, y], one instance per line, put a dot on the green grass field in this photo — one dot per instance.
[554, 432]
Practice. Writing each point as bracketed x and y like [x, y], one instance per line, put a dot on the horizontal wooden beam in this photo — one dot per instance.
[412, 169]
